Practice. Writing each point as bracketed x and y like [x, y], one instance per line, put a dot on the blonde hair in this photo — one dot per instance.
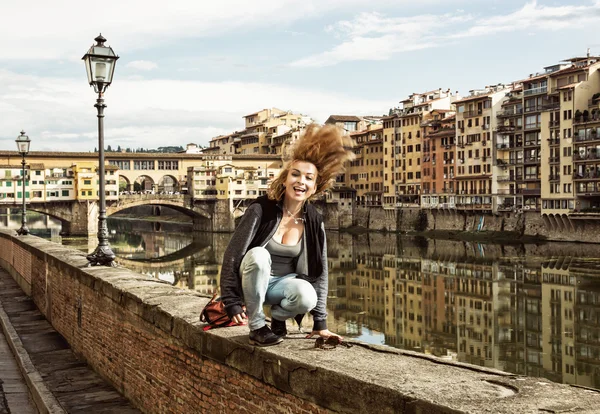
[326, 147]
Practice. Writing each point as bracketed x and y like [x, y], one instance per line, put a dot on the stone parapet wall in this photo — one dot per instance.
[144, 336]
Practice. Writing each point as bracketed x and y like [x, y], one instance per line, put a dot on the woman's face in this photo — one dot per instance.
[301, 181]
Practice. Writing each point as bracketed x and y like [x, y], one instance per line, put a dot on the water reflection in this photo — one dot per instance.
[527, 309]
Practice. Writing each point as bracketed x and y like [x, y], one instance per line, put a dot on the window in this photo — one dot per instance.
[122, 165]
[38, 173]
[87, 182]
[168, 165]
[65, 193]
[143, 165]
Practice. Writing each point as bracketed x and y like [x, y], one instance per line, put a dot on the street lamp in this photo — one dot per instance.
[23, 147]
[100, 62]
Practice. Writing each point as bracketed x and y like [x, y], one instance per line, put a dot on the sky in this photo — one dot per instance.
[190, 70]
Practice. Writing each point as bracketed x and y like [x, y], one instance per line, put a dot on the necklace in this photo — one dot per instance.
[297, 220]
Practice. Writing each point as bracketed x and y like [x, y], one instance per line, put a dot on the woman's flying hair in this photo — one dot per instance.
[324, 146]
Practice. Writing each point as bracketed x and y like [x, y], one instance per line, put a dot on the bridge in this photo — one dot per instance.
[81, 217]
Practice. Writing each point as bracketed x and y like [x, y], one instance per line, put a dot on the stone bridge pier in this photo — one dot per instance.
[79, 218]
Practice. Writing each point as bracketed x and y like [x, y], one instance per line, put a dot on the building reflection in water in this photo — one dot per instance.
[527, 309]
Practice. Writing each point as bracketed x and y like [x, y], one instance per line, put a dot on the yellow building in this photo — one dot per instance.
[365, 173]
[475, 121]
[415, 110]
[392, 131]
[574, 169]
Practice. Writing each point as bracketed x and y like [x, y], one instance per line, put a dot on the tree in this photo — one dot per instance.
[109, 149]
[95, 149]
[119, 148]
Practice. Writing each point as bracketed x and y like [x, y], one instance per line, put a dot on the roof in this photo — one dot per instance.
[480, 96]
[569, 70]
[569, 86]
[36, 166]
[343, 118]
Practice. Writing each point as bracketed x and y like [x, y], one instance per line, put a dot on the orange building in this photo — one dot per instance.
[438, 159]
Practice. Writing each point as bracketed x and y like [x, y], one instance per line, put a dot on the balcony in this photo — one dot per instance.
[554, 124]
[502, 146]
[554, 160]
[588, 189]
[535, 91]
[531, 160]
[551, 106]
[585, 157]
[554, 177]
[535, 125]
[505, 128]
[582, 137]
[593, 102]
[503, 178]
[509, 112]
[472, 114]
[533, 143]
[534, 108]
[588, 175]
[586, 117]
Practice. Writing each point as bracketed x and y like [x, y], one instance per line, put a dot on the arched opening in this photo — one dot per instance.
[143, 184]
[124, 184]
[168, 185]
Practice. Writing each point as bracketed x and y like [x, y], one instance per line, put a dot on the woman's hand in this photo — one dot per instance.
[239, 318]
[325, 333]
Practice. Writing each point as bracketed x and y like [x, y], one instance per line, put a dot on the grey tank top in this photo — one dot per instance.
[283, 257]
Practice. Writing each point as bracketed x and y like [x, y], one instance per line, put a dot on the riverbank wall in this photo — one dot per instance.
[144, 337]
[514, 225]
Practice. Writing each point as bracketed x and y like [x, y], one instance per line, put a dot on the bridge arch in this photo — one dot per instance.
[176, 202]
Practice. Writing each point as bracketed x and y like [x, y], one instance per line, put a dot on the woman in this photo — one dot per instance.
[278, 254]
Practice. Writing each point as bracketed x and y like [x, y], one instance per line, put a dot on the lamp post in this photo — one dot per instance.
[100, 62]
[23, 147]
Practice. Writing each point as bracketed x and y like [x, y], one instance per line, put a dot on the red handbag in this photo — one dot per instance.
[215, 315]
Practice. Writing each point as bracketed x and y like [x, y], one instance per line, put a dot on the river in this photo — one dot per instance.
[531, 309]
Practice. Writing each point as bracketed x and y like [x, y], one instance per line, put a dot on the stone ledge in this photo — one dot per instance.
[363, 378]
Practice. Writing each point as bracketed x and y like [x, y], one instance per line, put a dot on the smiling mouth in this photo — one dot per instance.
[300, 189]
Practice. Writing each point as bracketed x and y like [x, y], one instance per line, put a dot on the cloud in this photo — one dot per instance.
[373, 36]
[141, 65]
[533, 16]
[59, 114]
[134, 25]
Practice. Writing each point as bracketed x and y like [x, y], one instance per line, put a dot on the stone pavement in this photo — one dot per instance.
[14, 394]
[55, 380]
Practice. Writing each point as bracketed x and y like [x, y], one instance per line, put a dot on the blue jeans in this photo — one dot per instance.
[287, 295]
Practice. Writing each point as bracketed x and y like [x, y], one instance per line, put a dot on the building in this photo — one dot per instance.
[437, 180]
[416, 110]
[475, 121]
[365, 173]
[265, 132]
